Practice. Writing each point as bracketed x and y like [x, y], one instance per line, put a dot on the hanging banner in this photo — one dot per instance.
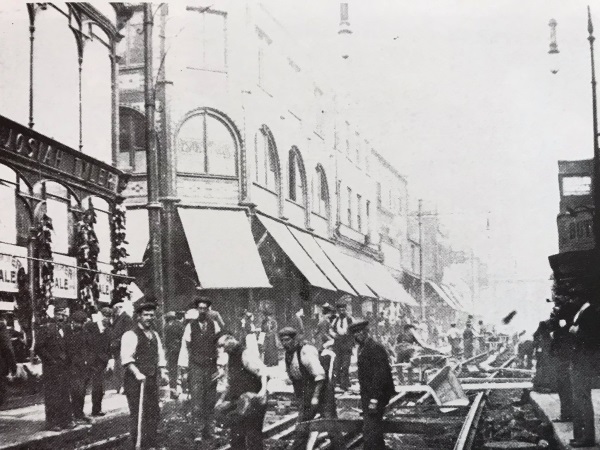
[105, 283]
[12, 259]
[65, 277]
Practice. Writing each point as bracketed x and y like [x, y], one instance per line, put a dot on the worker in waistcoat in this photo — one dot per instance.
[198, 355]
[309, 379]
[143, 358]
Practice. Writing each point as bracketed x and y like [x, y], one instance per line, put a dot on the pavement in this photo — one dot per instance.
[24, 427]
[549, 406]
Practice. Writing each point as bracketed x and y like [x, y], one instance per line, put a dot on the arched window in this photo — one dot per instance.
[132, 140]
[206, 145]
[297, 178]
[321, 193]
[267, 161]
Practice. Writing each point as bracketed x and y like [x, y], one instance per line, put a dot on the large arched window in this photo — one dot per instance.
[267, 161]
[297, 178]
[321, 193]
[132, 140]
[206, 145]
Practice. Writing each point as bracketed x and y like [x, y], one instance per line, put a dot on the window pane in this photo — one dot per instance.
[577, 185]
[272, 175]
[260, 156]
[221, 148]
[292, 176]
[59, 213]
[102, 229]
[190, 146]
[8, 218]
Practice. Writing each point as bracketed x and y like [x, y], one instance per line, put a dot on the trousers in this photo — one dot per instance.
[564, 387]
[56, 394]
[341, 368]
[373, 430]
[204, 396]
[78, 382]
[151, 413]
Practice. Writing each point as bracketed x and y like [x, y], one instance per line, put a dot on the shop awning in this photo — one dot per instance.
[137, 234]
[349, 268]
[223, 249]
[385, 285]
[290, 246]
[455, 296]
[443, 295]
[307, 241]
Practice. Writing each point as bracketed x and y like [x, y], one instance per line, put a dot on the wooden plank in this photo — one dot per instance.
[484, 386]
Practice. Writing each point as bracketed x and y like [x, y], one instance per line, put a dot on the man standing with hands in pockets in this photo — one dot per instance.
[143, 358]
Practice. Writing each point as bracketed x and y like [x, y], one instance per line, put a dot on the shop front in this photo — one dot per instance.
[57, 229]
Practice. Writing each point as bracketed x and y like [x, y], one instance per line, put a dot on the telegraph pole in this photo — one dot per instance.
[421, 281]
[596, 168]
[154, 206]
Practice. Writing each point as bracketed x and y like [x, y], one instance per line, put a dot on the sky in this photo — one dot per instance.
[460, 97]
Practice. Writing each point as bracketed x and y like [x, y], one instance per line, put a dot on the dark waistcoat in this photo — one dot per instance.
[240, 379]
[146, 353]
[202, 347]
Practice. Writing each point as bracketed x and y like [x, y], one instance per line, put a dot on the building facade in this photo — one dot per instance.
[253, 144]
[60, 191]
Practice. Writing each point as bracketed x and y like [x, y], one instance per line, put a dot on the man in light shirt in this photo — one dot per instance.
[198, 355]
[143, 358]
[310, 380]
[246, 385]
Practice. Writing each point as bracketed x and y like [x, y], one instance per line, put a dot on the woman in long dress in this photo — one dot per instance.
[271, 352]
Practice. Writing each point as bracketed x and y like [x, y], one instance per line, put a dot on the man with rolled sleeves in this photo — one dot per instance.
[376, 384]
[143, 358]
[198, 354]
[311, 383]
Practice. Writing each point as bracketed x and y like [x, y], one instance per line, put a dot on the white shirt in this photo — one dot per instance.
[129, 343]
[184, 356]
[309, 356]
[339, 326]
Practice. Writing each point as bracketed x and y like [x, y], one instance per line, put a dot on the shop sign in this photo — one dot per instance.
[575, 232]
[105, 283]
[48, 153]
[65, 277]
[12, 258]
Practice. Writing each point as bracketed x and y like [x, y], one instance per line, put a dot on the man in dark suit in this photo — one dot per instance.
[322, 334]
[343, 345]
[102, 358]
[50, 347]
[123, 322]
[586, 360]
[376, 384]
[7, 359]
[78, 347]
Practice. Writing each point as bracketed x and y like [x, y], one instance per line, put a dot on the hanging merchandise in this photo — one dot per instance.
[87, 260]
[119, 253]
[44, 238]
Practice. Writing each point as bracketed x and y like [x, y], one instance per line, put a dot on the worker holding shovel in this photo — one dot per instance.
[143, 358]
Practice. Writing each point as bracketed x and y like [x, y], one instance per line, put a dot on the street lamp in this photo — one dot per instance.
[596, 165]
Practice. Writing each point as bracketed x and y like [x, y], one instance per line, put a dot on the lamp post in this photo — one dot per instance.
[596, 165]
[421, 281]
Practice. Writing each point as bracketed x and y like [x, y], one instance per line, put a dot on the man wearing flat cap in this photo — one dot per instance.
[50, 346]
[376, 384]
[143, 358]
[102, 357]
[311, 384]
[198, 355]
[323, 333]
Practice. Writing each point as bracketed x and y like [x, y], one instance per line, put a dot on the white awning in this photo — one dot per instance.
[223, 249]
[347, 266]
[385, 285]
[290, 246]
[137, 234]
[317, 254]
[443, 295]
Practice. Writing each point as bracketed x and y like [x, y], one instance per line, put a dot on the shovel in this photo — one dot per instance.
[138, 441]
